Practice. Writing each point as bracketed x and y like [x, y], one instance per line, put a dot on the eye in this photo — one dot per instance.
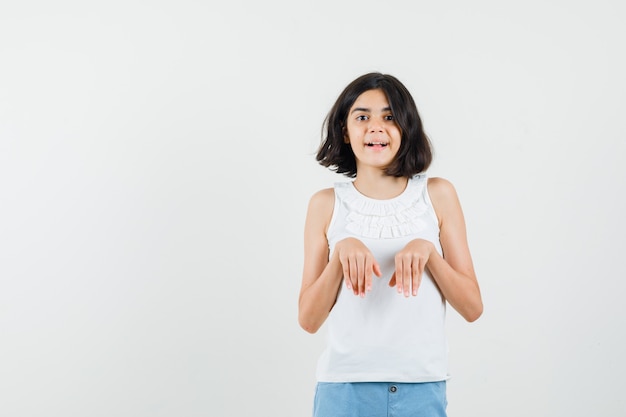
[389, 117]
[361, 117]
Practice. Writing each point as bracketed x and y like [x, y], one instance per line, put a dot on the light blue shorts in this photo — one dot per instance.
[380, 399]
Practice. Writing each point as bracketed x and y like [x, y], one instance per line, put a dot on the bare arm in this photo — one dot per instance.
[454, 272]
[321, 279]
[351, 262]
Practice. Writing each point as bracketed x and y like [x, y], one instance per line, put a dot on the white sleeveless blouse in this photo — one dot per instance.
[385, 336]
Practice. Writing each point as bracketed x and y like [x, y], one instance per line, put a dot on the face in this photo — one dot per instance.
[372, 131]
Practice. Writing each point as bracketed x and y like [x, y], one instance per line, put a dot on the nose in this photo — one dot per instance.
[375, 125]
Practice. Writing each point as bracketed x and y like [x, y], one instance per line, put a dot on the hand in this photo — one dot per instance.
[410, 264]
[358, 264]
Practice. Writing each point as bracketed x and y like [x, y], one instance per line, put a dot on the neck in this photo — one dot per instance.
[379, 186]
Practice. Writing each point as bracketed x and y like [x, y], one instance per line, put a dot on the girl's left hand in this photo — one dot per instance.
[410, 264]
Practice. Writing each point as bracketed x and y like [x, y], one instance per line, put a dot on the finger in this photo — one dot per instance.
[377, 270]
[362, 274]
[354, 275]
[345, 267]
[420, 273]
[369, 269]
[406, 275]
[398, 274]
[392, 281]
[416, 277]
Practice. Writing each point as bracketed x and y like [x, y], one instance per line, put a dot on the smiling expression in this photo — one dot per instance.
[372, 131]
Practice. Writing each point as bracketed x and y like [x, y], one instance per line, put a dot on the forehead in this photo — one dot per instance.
[371, 99]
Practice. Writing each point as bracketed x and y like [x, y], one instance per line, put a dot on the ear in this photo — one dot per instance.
[346, 138]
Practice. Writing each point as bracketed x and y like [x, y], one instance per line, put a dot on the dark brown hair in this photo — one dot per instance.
[415, 153]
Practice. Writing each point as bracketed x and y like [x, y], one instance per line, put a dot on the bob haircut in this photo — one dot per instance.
[415, 153]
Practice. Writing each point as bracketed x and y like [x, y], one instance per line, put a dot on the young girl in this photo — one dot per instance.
[383, 255]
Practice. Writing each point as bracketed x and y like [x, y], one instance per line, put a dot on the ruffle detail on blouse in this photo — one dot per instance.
[385, 219]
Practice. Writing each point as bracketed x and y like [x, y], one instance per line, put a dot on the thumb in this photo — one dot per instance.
[377, 270]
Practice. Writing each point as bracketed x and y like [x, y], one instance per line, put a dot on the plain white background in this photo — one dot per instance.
[156, 161]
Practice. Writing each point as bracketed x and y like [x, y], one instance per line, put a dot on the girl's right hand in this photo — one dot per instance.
[358, 265]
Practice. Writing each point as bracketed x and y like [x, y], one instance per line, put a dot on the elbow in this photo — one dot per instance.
[473, 317]
[310, 329]
[308, 325]
[473, 314]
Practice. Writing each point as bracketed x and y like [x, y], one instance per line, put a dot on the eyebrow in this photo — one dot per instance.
[384, 109]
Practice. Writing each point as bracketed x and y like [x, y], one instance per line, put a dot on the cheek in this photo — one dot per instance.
[398, 135]
[349, 133]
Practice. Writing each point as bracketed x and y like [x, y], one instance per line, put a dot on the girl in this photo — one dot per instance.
[383, 255]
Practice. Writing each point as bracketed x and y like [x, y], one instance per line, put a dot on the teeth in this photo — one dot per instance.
[377, 143]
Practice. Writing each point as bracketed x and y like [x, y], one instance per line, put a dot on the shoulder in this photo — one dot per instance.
[320, 211]
[322, 203]
[443, 196]
[323, 197]
[440, 188]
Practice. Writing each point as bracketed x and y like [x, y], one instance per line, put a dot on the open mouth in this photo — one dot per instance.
[381, 144]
